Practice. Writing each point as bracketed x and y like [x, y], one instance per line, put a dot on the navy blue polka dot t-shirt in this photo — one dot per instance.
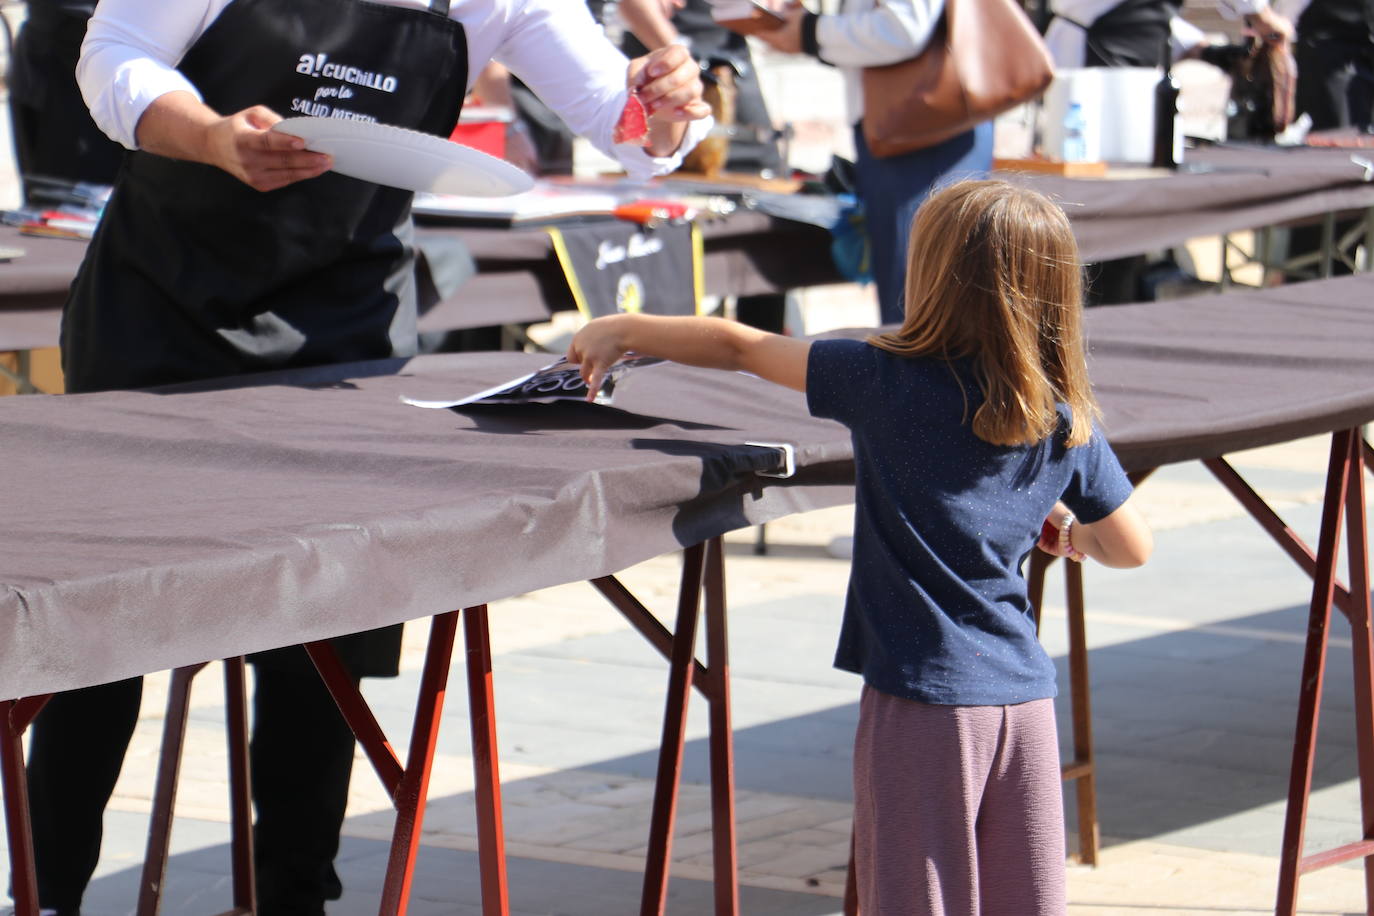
[937, 608]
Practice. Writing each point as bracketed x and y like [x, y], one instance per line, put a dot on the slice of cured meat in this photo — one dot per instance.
[633, 126]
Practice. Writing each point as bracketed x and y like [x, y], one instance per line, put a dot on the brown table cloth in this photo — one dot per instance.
[30, 328]
[147, 530]
[748, 253]
[518, 280]
[1219, 190]
[150, 530]
[39, 279]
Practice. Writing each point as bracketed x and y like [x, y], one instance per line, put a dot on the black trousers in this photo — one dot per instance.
[302, 758]
[1336, 81]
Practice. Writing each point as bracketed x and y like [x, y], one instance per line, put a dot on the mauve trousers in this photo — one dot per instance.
[957, 809]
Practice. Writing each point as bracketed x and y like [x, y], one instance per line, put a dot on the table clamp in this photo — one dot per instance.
[788, 464]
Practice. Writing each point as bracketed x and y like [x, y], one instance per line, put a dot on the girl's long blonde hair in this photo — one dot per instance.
[993, 276]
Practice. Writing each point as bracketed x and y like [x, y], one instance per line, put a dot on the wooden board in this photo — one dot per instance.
[740, 180]
[1052, 167]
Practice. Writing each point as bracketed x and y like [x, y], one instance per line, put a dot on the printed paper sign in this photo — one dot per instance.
[558, 381]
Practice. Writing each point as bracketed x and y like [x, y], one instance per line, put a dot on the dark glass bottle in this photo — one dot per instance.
[1166, 114]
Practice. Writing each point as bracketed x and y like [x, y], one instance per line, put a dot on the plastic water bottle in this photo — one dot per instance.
[1075, 147]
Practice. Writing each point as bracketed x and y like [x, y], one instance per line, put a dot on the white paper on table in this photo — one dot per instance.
[558, 381]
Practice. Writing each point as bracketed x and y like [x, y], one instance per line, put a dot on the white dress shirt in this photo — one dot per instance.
[870, 33]
[132, 49]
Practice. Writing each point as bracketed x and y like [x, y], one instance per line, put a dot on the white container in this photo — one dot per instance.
[1128, 113]
[1118, 106]
[1081, 85]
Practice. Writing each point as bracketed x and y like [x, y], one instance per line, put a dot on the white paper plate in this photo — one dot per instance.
[407, 159]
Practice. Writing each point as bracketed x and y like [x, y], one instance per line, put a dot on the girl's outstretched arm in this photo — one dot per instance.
[713, 343]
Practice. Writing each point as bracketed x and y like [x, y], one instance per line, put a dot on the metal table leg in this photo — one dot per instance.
[703, 568]
[409, 784]
[15, 718]
[1344, 492]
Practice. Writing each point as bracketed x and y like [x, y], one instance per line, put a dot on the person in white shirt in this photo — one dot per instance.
[866, 33]
[1131, 33]
[228, 248]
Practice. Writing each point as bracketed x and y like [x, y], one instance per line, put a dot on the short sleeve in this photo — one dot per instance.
[834, 379]
[1098, 486]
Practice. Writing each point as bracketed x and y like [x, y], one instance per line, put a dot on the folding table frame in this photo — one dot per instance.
[21, 376]
[1344, 496]
[703, 575]
[1347, 238]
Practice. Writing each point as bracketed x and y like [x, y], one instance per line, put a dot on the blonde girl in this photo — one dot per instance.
[973, 429]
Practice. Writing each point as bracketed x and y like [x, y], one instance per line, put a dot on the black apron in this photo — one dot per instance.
[194, 275]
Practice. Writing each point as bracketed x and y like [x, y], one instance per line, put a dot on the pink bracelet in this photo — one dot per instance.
[1066, 548]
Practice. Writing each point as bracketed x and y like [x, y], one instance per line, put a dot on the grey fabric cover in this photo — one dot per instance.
[749, 253]
[146, 530]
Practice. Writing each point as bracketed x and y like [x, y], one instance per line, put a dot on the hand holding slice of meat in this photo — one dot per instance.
[633, 126]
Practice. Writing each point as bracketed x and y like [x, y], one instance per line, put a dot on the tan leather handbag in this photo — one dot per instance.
[984, 58]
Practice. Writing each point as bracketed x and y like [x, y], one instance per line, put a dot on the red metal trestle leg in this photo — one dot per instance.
[1357, 539]
[491, 837]
[721, 742]
[655, 896]
[1313, 673]
[413, 786]
[240, 791]
[165, 794]
[23, 879]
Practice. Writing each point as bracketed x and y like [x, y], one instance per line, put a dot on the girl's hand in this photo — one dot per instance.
[668, 81]
[595, 349]
[1049, 538]
[1120, 540]
[245, 146]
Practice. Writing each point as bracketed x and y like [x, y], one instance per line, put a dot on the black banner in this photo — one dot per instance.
[622, 267]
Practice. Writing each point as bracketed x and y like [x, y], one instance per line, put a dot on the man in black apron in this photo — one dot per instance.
[54, 136]
[1129, 34]
[194, 274]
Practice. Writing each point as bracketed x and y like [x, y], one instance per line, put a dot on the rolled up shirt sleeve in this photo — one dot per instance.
[893, 30]
[560, 52]
[133, 47]
[1235, 9]
[130, 55]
